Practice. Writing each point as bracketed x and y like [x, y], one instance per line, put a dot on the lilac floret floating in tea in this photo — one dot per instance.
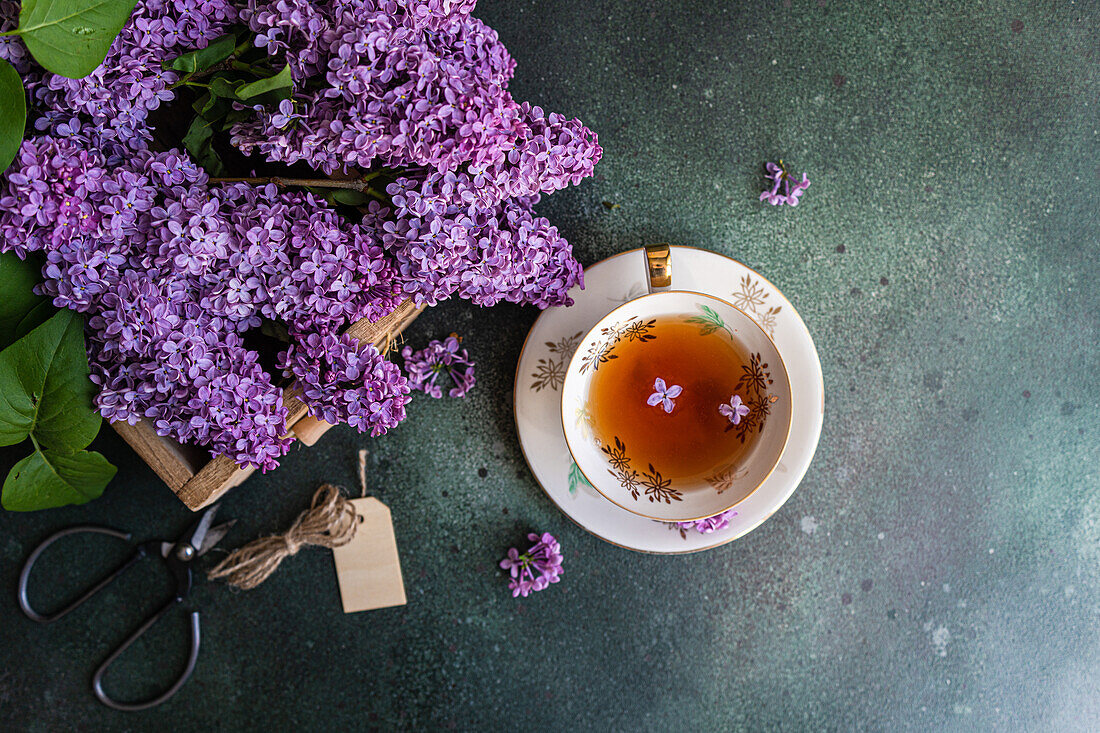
[176, 272]
[664, 395]
[735, 410]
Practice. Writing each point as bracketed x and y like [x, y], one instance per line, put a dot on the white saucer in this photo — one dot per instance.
[555, 336]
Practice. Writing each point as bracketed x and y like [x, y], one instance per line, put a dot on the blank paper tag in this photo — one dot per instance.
[367, 568]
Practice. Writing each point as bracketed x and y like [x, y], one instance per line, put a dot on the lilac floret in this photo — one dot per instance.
[735, 410]
[535, 569]
[710, 524]
[663, 395]
[785, 189]
[426, 365]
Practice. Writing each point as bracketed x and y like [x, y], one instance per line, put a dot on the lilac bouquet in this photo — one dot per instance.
[427, 174]
[535, 569]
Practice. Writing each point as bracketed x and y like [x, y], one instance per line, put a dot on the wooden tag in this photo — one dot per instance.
[368, 568]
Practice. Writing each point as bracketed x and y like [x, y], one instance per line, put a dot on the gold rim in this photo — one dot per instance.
[725, 541]
[771, 469]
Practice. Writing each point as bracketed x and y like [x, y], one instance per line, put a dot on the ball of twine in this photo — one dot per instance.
[330, 521]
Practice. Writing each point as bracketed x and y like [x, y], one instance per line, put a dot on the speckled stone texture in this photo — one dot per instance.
[938, 569]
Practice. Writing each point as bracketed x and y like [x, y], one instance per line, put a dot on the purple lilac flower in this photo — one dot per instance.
[170, 272]
[297, 261]
[394, 88]
[535, 569]
[786, 189]
[131, 82]
[484, 255]
[435, 14]
[710, 524]
[344, 381]
[663, 395]
[553, 153]
[173, 272]
[425, 366]
[735, 410]
[427, 87]
[12, 49]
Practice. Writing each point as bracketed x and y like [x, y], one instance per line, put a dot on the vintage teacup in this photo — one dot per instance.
[676, 405]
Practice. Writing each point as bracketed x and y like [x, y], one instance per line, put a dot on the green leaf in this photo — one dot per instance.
[203, 58]
[13, 113]
[216, 110]
[220, 86]
[349, 197]
[17, 277]
[38, 315]
[235, 116]
[202, 103]
[49, 478]
[71, 37]
[210, 107]
[198, 136]
[275, 329]
[44, 387]
[198, 141]
[282, 80]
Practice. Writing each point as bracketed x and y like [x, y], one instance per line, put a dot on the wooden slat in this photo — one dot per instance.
[164, 456]
[381, 330]
[217, 477]
[309, 429]
[295, 408]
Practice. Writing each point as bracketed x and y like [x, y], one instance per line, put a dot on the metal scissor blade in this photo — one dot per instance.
[197, 534]
[215, 535]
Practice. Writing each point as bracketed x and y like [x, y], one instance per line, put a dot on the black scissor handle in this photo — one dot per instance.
[24, 602]
[192, 657]
[180, 571]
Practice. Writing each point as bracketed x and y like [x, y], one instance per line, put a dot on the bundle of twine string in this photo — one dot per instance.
[330, 521]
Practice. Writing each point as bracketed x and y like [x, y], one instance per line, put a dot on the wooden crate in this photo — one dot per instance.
[199, 480]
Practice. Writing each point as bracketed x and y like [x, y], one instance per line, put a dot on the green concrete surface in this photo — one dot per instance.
[939, 567]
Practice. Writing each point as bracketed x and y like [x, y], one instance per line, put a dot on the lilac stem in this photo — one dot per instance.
[354, 184]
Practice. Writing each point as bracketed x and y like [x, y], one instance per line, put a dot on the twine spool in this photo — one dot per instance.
[330, 522]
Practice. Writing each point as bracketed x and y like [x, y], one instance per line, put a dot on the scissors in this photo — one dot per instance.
[177, 555]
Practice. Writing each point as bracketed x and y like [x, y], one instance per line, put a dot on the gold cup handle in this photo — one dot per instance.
[658, 259]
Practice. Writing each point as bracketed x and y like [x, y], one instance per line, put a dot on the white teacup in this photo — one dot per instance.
[641, 488]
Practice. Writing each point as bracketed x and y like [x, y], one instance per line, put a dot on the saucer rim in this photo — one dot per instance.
[741, 531]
